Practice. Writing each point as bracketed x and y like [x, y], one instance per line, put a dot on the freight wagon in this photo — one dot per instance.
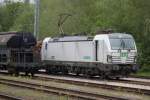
[17, 52]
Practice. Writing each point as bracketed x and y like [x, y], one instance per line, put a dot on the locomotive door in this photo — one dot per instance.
[46, 50]
[99, 50]
[96, 50]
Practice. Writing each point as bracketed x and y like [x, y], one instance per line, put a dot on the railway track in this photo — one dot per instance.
[124, 85]
[59, 91]
[104, 84]
[138, 81]
[9, 97]
[130, 80]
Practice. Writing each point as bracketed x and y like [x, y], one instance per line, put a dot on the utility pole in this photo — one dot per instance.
[27, 1]
[36, 18]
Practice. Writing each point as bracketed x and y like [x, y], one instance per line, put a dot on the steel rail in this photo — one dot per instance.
[105, 86]
[96, 79]
[60, 91]
[9, 97]
[132, 82]
[98, 85]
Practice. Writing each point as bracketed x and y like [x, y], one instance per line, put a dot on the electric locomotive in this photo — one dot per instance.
[106, 55]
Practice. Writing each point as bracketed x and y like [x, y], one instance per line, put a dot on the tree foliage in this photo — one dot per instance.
[16, 17]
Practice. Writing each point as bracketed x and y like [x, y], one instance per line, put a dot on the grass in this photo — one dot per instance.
[145, 74]
[144, 71]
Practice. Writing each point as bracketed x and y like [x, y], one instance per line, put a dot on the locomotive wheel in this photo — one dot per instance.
[11, 70]
[53, 70]
[87, 73]
[32, 71]
[76, 70]
[117, 78]
[26, 73]
[16, 73]
[48, 71]
[102, 75]
[32, 74]
[65, 71]
[77, 74]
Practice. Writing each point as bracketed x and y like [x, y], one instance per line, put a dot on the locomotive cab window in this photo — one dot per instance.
[122, 43]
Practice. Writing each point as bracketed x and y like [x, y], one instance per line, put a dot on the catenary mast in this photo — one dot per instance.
[36, 19]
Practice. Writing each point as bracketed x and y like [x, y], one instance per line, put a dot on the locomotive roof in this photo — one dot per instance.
[119, 35]
[114, 35]
[72, 38]
[86, 38]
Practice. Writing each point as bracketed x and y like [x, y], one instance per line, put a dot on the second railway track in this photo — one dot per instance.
[9, 97]
[123, 84]
[61, 91]
[130, 80]
[82, 82]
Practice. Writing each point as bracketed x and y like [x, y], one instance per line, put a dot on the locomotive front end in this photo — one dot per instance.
[123, 54]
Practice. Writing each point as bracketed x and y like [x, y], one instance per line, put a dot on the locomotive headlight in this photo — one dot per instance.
[109, 58]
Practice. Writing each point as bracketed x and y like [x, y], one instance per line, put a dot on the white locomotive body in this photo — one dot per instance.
[105, 54]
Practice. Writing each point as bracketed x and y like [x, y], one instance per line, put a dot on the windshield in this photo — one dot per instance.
[122, 43]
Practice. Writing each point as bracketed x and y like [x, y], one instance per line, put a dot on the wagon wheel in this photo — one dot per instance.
[11, 70]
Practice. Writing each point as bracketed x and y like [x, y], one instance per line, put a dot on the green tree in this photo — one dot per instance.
[25, 20]
[16, 17]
